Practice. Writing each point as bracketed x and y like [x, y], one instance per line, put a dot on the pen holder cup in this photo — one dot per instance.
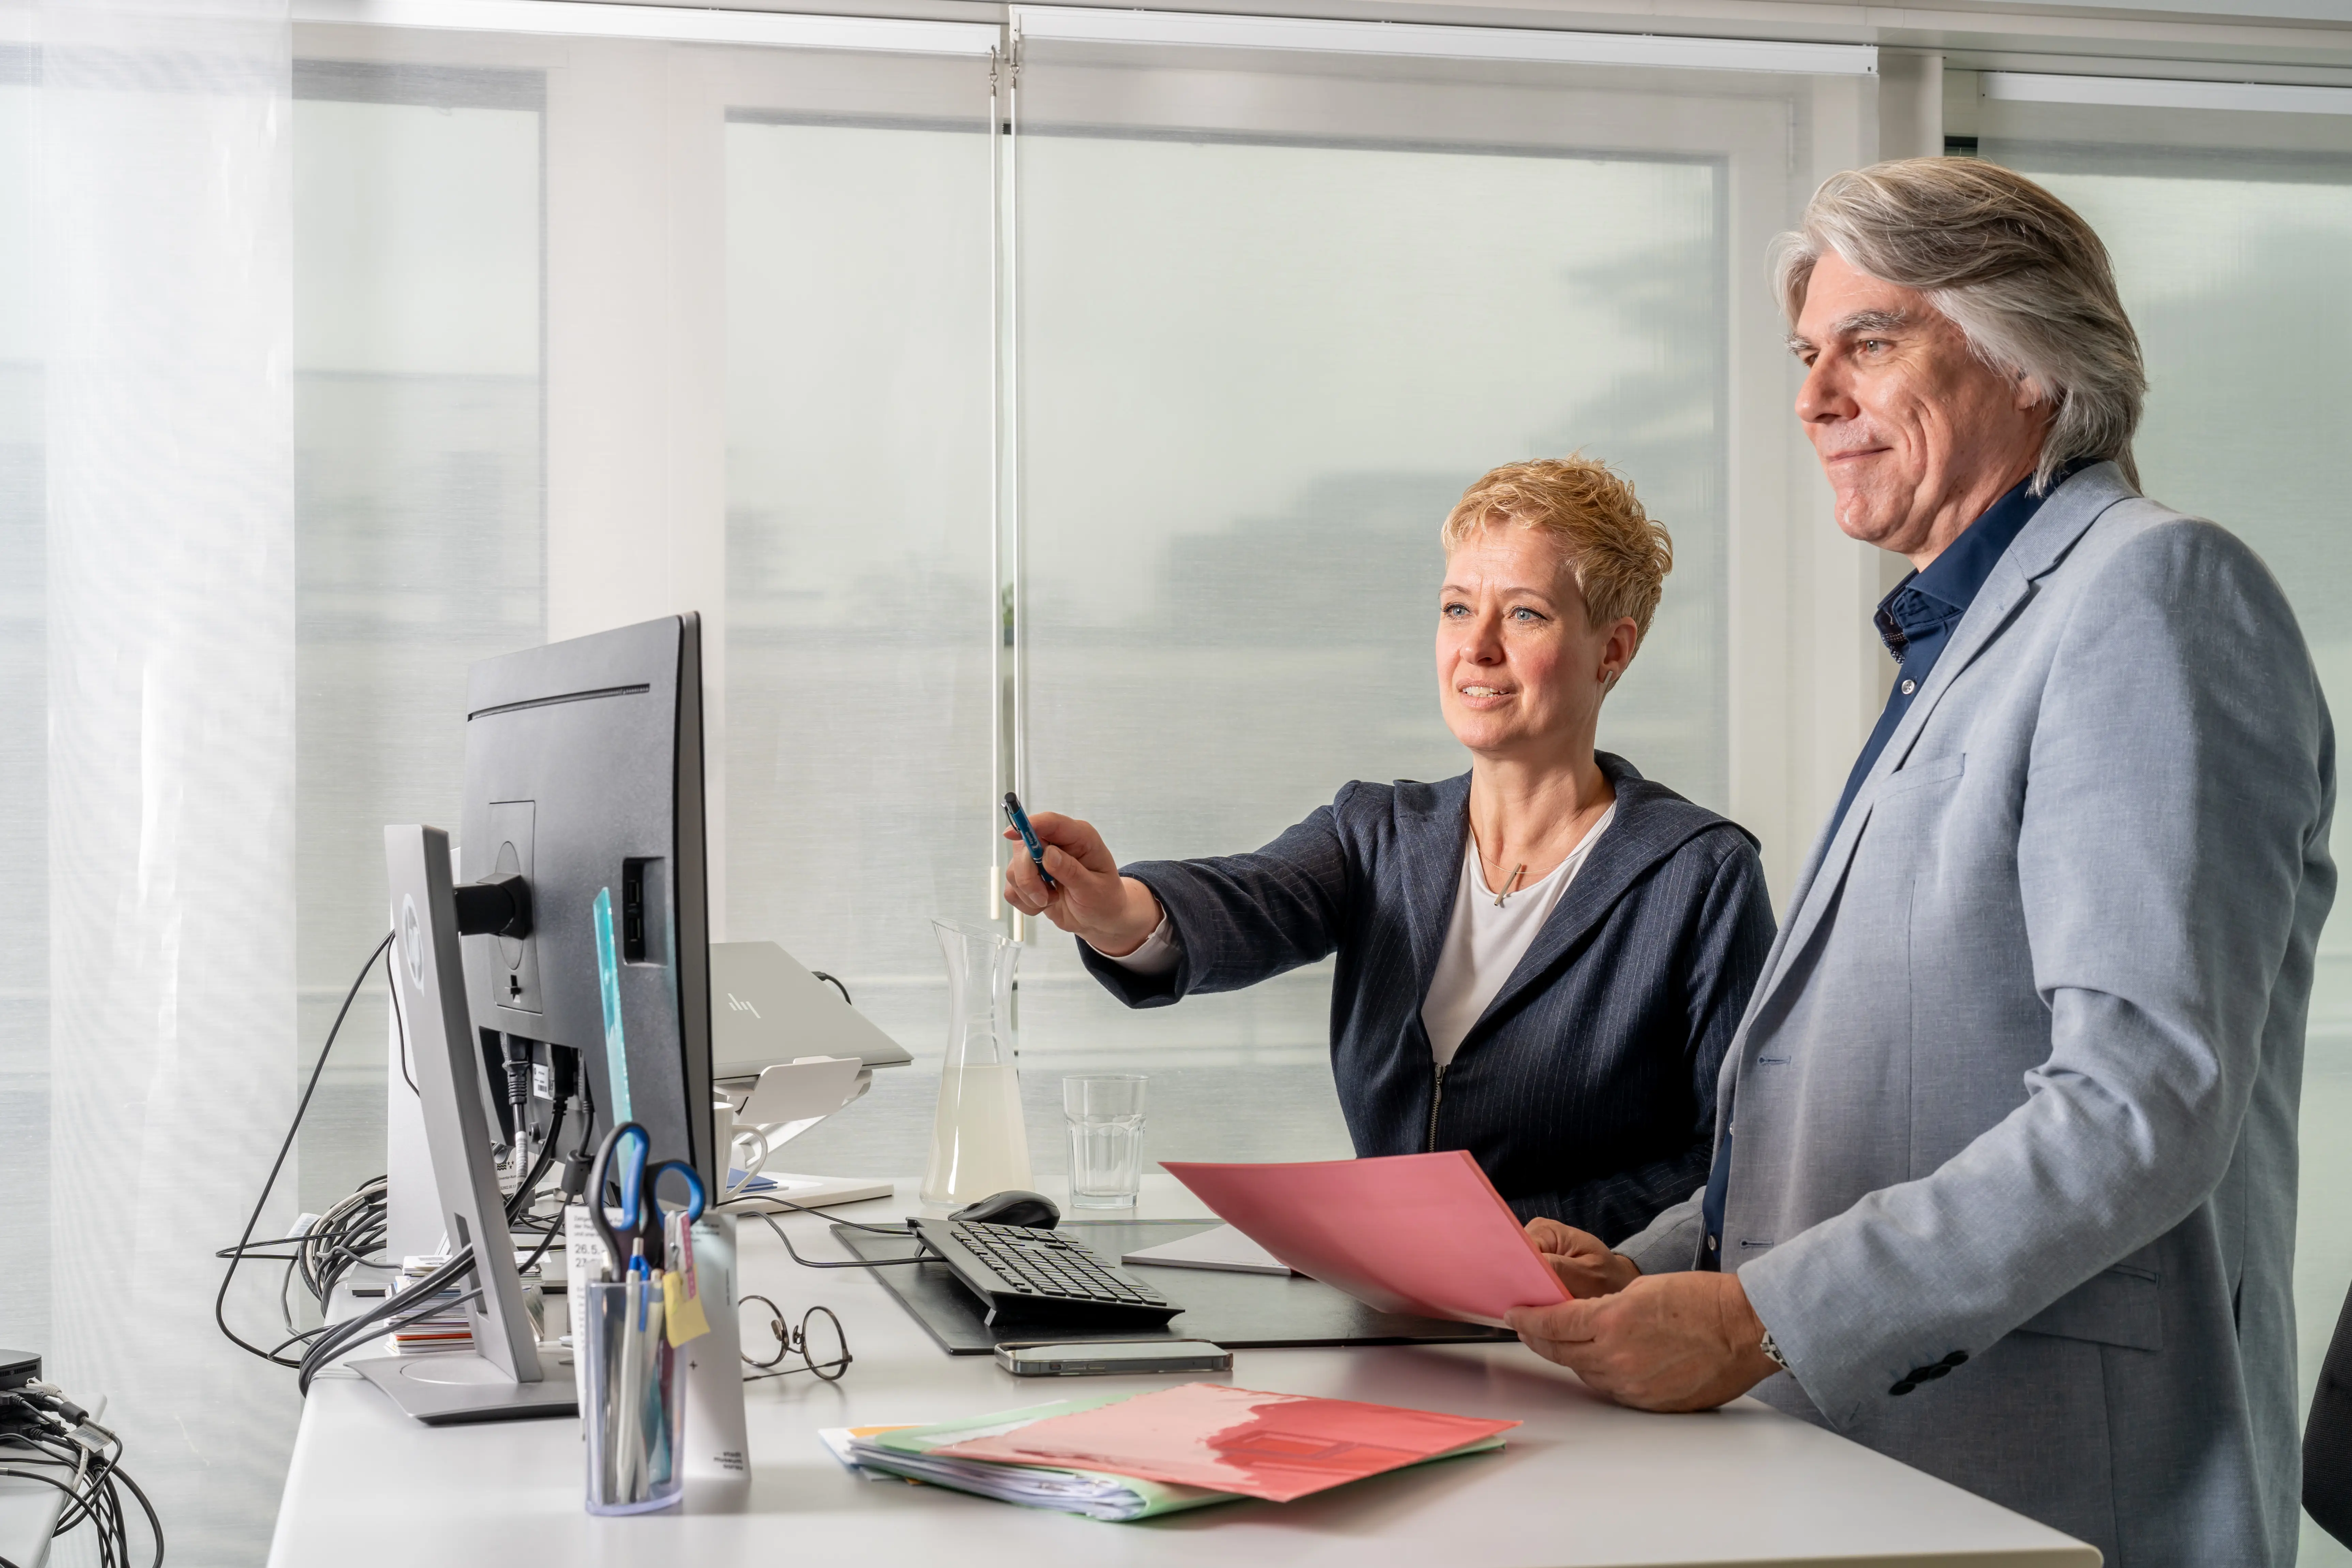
[631, 1400]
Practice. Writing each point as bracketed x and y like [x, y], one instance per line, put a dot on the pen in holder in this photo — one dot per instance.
[632, 1399]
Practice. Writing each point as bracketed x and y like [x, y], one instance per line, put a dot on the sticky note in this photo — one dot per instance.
[681, 1293]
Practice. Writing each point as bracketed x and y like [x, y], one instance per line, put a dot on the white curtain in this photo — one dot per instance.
[162, 225]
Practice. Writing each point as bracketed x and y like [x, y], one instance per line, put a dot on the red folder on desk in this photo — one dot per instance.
[1273, 1446]
[1425, 1233]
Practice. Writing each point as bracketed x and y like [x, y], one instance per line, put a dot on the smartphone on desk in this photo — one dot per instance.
[1099, 1358]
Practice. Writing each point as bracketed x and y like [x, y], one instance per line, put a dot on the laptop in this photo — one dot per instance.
[766, 1009]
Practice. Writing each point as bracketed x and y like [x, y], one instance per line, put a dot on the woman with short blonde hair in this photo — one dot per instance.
[1541, 961]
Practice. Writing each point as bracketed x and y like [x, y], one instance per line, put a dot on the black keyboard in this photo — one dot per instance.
[1024, 1272]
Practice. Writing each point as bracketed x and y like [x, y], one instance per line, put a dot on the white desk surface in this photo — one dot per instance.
[1582, 1483]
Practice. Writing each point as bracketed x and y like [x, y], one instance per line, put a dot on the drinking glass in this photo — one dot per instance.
[1103, 1114]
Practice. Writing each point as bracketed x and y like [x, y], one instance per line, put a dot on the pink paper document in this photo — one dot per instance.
[1273, 1446]
[1425, 1233]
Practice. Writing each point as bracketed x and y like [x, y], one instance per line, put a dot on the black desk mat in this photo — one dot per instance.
[1239, 1311]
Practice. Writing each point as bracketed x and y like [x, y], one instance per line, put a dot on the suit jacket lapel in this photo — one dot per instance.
[2063, 519]
[1797, 902]
[1986, 618]
[1431, 840]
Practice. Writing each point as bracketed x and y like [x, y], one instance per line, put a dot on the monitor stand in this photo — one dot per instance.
[450, 1388]
[506, 1375]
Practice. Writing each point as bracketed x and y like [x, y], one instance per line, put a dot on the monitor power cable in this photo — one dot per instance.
[399, 1020]
[520, 1205]
[244, 1242]
[921, 1253]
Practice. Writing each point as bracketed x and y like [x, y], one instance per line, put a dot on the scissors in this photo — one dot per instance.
[641, 1214]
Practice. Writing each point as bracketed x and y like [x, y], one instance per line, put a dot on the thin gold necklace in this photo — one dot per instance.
[1513, 886]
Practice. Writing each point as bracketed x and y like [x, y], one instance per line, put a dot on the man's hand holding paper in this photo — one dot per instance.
[1584, 1266]
[1667, 1341]
[1445, 1249]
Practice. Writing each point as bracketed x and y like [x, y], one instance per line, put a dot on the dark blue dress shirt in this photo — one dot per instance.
[1915, 621]
[1918, 617]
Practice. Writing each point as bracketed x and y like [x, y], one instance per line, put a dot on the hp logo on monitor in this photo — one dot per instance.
[412, 942]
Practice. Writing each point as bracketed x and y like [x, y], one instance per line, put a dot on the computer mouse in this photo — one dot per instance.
[1016, 1207]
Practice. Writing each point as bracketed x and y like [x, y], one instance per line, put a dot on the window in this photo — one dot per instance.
[1276, 311]
[858, 573]
[861, 612]
[1033, 441]
[418, 415]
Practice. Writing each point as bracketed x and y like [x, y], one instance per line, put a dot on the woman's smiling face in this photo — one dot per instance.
[1520, 667]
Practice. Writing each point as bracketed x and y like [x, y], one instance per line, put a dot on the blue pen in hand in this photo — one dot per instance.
[1020, 821]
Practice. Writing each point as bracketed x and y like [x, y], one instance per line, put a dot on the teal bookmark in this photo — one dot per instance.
[608, 975]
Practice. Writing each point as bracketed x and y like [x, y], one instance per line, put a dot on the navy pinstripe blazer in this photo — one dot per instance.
[1587, 1088]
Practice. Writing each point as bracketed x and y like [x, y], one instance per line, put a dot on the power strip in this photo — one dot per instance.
[18, 1368]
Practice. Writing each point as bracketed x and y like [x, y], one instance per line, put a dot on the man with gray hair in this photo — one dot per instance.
[2004, 1176]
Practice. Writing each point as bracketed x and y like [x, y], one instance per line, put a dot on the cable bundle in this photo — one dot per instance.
[345, 1238]
[40, 1427]
[421, 1299]
[348, 1234]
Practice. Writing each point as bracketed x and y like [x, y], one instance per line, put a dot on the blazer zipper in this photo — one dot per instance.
[1436, 1098]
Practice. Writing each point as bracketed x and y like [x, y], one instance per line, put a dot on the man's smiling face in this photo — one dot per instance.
[1917, 435]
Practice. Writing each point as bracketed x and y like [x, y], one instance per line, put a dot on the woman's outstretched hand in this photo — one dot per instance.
[1583, 1266]
[1111, 913]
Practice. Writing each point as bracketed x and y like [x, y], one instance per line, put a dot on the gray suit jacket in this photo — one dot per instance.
[2016, 1095]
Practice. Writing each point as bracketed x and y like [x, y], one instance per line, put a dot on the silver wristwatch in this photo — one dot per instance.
[1773, 1351]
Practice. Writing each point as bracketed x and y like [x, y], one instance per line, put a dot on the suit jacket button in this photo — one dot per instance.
[1930, 1373]
[1955, 1358]
[1903, 1387]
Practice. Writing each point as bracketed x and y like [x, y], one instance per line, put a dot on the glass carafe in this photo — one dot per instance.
[979, 1145]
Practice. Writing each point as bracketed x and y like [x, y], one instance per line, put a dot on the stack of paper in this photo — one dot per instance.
[446, 1327]
[1122, 1456]
[449, 1325]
